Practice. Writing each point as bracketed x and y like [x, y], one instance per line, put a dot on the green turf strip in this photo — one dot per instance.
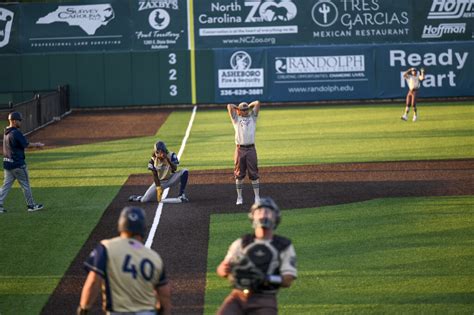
[311, 135]
[385, 256]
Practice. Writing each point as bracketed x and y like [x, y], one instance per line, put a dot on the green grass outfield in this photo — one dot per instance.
[384, 256]
[77, 183]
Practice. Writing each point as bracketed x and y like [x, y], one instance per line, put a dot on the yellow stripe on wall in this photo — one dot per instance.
[191, 47]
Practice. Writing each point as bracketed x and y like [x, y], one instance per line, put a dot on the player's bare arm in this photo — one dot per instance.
[223, 269]
[405, 74]
[287, 280]
[422, 74]
[90, 291]
[164, 297]
[232, 109]
[255, 107]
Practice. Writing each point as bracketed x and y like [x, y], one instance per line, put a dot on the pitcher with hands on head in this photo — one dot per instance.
[244, 119]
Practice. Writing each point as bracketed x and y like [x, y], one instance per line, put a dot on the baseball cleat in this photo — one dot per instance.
[414, 118]
[183, 198]
[136, 198]
[239, 201]
[35, 207]
[2, 210]
[404, 117]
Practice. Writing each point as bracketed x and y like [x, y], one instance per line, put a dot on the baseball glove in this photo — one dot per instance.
[245, 275]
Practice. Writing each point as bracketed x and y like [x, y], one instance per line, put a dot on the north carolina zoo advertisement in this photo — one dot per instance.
[76, 27]
[240, 74]
[159, 24]
[448, 69]
[320, 73]
[240, 23]
[9, 21]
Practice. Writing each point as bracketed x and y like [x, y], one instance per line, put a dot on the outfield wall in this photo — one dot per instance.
[149, 52]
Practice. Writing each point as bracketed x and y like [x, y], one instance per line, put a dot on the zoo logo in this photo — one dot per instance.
[271, 11]
[159, 19]
[240, 60]
[324, 13]
[6, 20]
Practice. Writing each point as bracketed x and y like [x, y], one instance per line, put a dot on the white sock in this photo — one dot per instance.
[256, 188]
[238, 187]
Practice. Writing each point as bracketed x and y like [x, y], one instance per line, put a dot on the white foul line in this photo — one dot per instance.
[159, 209]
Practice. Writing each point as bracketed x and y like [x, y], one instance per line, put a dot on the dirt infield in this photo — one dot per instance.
[183, 233]
[84, 127]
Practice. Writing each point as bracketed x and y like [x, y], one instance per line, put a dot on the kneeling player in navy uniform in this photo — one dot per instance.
[164, 168]
[131, 276]
[258, 264]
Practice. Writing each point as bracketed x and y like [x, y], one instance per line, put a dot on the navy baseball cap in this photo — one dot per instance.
[15, 116]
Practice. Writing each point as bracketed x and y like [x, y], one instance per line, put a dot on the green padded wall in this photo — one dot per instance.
[118, 79]
[145, 78]
[205, 76]
[62, 71]
[90, 80]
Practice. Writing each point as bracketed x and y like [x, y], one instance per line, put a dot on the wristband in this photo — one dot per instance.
[274, 279]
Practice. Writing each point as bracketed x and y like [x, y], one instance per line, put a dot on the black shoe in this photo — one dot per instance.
[136, 198]
[35, 207]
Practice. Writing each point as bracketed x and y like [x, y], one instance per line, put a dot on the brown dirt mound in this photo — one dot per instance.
[183, 233]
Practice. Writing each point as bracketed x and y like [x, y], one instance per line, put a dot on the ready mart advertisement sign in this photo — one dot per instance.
[448, 69]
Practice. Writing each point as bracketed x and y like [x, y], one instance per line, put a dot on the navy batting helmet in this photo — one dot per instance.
[160, 146]
[132, 219]
[15, 116]
[266, 202]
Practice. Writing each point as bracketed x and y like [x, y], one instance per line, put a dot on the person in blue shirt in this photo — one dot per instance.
[14, 165]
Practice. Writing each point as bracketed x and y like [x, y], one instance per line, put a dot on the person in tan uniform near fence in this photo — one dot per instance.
[413, 81]
[244, 119]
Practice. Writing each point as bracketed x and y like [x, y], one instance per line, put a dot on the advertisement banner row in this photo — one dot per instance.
[341, 72]
[163, 24]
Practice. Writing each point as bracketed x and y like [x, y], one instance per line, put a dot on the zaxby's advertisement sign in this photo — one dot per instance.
[235, 23]
[73, 27]
[310, 73]
[159, 24]
[240, 74]
[9, 21]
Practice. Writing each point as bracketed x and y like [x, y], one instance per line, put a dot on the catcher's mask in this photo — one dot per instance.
[267, 222]
[160, 146]
[132, 219]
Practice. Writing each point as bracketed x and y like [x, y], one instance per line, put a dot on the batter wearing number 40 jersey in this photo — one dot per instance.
[131, 275]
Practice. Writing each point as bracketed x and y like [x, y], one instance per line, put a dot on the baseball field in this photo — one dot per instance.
[380, 211]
